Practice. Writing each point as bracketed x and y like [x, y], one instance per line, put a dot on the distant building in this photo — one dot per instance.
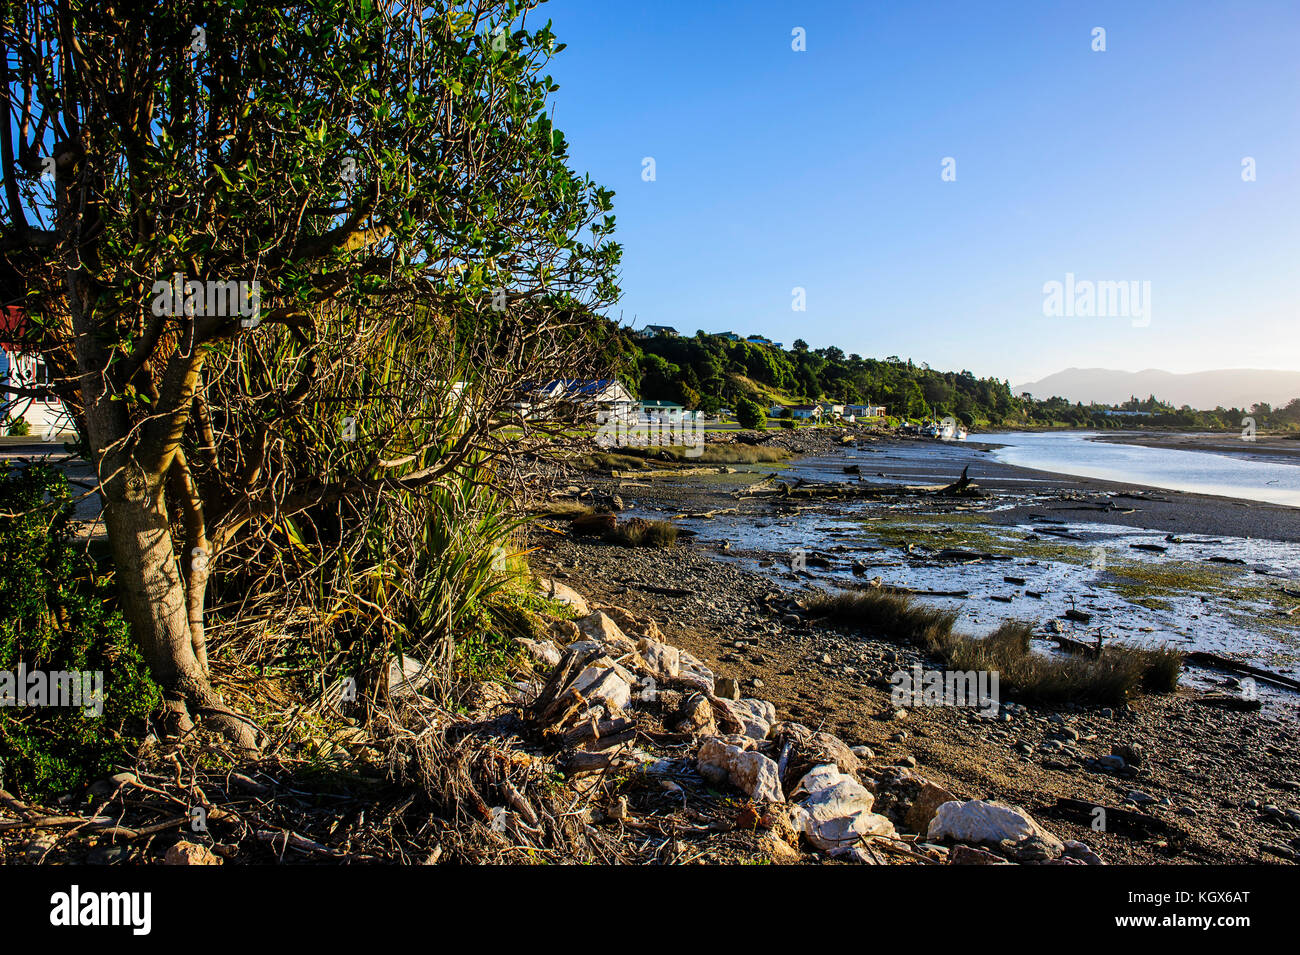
[806, 411]
[865, 411]
[831, 410]
[729, 336]
[657, 331]
[659, 410]
[1128, 414]
[573, 396]
[44, 413]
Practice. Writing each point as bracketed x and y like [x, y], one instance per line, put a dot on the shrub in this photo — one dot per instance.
[750, 414]
[58, 614]
[18, 427]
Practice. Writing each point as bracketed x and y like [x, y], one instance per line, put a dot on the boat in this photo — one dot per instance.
[949, 429]
[952, 431]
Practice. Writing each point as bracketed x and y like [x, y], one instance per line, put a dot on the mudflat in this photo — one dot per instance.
[1201, 784]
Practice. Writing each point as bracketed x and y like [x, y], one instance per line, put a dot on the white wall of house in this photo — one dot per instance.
[25, 371]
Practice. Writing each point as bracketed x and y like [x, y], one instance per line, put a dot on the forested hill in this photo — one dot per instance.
[708, 372]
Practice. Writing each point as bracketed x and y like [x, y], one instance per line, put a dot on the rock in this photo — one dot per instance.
[835, 811]
[993, 823]
[189, 853]
[604, 683]
[1111, 763]
[664, 660]
[863, 752]
[696, 717]
[809, 749]
[925, 805]
[726, 688]
[969, 855]
[601, 628]
[693, 670]
[757, 716]
[1078, 850]
[749, 771]
[407, 677]
[544, 652]
[560, 593]
[1139, 798]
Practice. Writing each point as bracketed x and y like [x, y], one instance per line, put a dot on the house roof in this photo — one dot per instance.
[13, 325]
[576, 388]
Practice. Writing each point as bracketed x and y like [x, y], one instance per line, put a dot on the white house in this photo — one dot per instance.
[806, 411]
[567, 396]
[657, 331]
[45, 416]
[865, 411]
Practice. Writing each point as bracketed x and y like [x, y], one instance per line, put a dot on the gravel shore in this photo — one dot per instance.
[1222, 786]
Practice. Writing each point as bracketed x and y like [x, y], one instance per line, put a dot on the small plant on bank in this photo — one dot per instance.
[639, 532]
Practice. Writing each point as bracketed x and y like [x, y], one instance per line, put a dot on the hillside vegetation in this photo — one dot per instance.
[709, 372]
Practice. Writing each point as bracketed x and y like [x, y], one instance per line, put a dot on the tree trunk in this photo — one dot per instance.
[152, 590]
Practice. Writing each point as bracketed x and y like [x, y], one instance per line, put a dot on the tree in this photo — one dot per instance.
[750, 414]
[243, 229]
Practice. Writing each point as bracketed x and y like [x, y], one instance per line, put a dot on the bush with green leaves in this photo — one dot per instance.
[59, 615]
[750, 414]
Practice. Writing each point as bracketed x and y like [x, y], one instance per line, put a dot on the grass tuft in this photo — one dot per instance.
[642, 533]
[1107, 679]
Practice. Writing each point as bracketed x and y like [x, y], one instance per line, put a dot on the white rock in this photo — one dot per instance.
[757, 716]
[604, 683]
[560, 593]
[694, 671]
[544, 652]
[664, 660]
[747, 770]
[601, 627]
[835, 812]
[407, 677]
[817, 779]
[979, 821]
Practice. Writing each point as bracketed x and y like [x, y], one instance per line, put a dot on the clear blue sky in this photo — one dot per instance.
[821, 169]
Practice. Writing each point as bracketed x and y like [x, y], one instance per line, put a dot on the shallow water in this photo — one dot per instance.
[1179, 597]
[1200, 472]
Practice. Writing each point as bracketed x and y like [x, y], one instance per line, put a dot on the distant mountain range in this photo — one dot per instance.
[1203, 390]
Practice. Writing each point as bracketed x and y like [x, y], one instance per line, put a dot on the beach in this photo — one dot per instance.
[1221, 785]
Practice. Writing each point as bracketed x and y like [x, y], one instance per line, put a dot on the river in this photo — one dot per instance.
[1199, 472]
